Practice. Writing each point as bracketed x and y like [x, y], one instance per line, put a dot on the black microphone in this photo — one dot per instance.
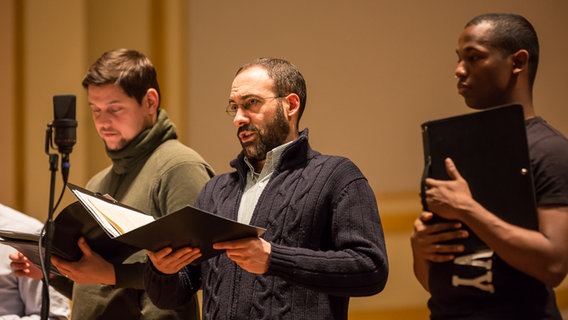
[64, 122]
[65, 128]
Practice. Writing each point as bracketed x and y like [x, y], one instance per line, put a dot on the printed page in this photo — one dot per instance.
[115, 219]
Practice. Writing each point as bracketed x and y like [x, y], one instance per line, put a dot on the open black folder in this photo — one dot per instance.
[116, 231]
[71, 223]
[489, 149]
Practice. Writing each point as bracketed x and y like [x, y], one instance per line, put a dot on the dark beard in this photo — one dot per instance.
[271, 137]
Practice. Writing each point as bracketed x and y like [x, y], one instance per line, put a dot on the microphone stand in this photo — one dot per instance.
[49, 226]
[63, 106]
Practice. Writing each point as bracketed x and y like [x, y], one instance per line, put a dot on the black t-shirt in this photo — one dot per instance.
[492, 289]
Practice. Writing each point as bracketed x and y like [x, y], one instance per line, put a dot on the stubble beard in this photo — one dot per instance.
[116, 146]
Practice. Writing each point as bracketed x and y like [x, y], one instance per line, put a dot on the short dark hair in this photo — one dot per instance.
[287, 78]
[511, 33]
[129, 69]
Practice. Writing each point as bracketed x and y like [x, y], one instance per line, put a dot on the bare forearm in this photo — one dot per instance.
[421, 269]
[530, 251]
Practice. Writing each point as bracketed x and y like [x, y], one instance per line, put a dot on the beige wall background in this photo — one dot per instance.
[375, 71]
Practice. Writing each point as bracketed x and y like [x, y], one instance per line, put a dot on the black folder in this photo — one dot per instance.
[489, 149]
[71, 223]
[188, 226]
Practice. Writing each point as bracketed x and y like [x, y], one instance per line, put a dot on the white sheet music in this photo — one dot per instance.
[115, 219]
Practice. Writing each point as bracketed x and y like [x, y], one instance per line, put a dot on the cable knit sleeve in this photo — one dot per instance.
[169, 291]
[354, 262]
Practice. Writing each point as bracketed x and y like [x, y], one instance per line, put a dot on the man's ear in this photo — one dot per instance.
[520, 61]
[293, 105]
[152, 99]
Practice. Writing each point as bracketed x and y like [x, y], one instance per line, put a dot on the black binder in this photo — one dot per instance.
[70, 224]
[489, 149]
[188, 226]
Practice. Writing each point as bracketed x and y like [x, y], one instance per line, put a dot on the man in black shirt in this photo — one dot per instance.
[497, 63]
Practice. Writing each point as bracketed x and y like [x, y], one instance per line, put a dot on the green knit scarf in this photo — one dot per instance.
[140, 148]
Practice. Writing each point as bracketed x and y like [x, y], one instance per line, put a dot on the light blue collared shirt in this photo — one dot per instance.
[256, 182]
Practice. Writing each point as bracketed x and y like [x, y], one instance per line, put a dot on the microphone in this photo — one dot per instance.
[64, 122]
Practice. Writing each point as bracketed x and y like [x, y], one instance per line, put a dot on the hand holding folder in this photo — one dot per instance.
[116, 231]
[489, 149]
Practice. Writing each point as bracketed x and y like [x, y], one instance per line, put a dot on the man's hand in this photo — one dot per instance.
[22, 267]
[90, 269]
[427, 239]
[427, 242]
[449, 198]
[168, 261]
[251, 254]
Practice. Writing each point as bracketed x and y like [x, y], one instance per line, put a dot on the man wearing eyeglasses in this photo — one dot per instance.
[324, 240]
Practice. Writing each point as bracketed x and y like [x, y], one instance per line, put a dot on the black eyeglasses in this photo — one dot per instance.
[250, 104]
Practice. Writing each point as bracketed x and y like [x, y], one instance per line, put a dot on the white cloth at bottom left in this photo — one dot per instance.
[21, 297]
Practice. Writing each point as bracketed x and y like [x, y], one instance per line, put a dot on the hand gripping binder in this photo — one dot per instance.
[116, 231]
[489, 149]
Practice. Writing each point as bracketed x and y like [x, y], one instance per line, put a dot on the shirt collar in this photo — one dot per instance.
[272, 158]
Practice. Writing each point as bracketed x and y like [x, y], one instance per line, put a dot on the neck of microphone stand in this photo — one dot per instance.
[65, 165]
[48, 237]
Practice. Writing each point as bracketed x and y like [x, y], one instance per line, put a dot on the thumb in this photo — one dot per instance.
[452, 170]
[426, 216]
[84, 246]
